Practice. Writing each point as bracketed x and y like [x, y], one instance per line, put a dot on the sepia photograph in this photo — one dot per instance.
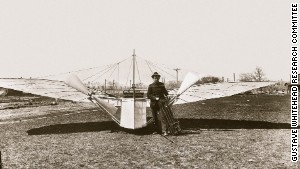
[149, 84]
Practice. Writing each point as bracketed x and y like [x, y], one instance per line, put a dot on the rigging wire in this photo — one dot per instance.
[128, 74]
[98, 77]
[154, 65]
[107, 68]
[113, 71]
[80, 70]
[138, 70]
[162, 65]
[149, 66]
[115, 65]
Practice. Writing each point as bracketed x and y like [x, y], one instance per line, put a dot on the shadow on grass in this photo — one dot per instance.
[186, 124]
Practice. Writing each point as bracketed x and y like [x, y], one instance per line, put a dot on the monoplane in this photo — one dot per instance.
[132, 104]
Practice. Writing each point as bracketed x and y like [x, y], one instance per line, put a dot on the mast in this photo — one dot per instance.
[133, 78]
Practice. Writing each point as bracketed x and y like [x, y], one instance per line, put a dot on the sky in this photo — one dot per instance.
[215, 37]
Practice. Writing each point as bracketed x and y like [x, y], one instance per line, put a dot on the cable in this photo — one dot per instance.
[128, 74]
[108, 67]
[103, 74]
[112, 72]
[162, 69]
[80, 70]
[149, 67]
[138, 70]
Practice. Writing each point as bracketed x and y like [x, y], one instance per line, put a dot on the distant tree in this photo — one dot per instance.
[246, 77]
[140, 85]
[172, 84]
[110, 85]
[259, 75]
[209, 79]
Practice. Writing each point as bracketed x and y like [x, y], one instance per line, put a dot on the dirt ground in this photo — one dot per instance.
[242, 131]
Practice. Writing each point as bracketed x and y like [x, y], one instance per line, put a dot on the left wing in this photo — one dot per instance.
[188, 92]
[212, 91]
[44, 87]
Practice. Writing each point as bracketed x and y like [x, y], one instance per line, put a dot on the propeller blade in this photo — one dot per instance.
[76, 83]
[189, 79]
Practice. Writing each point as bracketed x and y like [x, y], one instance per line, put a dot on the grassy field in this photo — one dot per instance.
[242, 131]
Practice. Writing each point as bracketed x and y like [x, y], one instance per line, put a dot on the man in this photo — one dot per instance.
[157, 92]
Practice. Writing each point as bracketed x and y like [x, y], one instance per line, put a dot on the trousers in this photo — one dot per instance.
[160, 123]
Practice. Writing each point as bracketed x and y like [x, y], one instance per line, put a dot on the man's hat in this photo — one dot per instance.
[155, 74]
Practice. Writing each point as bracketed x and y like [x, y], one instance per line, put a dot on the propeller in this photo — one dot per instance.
[77, 84]
[190, 79]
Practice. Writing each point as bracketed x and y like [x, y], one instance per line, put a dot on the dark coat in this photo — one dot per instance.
[156, 90]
